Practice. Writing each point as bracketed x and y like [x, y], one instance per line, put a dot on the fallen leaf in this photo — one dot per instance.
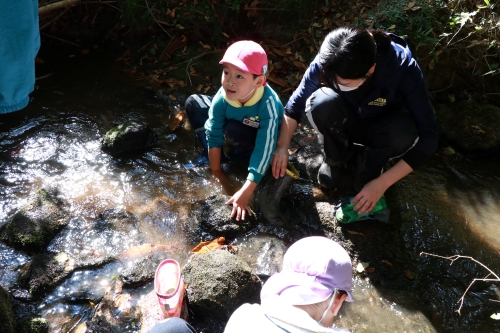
[205, 46]
[39, 60]
[409, 275]
[361, 266]
[370, 269]
[411, 4]
[177, 120]
[172, 97]
[387, 262]
[495, 316]
[225, 35]
[207, 246]
[292, 151]
[432, 64]
[278, 81]
[198, 89]
[416, 8]
[85, 51]
[145, 249]
[206, 89]
[355, 233]
[299, 64]
[92, 304]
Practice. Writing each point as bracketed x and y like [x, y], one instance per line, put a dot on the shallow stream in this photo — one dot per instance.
[55, 142]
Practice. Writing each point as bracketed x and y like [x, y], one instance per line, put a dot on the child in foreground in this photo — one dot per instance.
[245, 113]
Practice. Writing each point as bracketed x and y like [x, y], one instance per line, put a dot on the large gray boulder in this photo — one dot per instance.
[470, 126]
[218, 283]
[127, 136]
[36, 223]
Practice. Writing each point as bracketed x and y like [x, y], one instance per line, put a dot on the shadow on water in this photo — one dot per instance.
[449, 207]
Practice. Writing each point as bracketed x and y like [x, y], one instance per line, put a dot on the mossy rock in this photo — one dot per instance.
[6, 314]
[32, 325]
[44, 272]
[471, 127]
[128, 136]
[36, 223]
[218, 283]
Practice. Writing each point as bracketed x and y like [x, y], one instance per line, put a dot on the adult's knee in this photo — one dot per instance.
[325, 107]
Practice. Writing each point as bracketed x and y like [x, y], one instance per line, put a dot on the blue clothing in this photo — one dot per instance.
[265, 113]
[19, 44]
[396, 83]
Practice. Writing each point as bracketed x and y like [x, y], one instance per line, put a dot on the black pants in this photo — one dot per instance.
[339, 127]
[237, 135]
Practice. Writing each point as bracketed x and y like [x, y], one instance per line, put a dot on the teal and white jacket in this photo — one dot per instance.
[19, 44]
[265, 108]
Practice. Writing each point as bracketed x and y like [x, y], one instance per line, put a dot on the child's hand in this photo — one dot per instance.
[240, 201]
[280, 161]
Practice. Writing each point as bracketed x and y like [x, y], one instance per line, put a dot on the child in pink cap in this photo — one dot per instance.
[245, 113]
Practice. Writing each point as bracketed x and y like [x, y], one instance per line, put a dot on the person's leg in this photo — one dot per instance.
[172, 325]
[333, 119]
[197, 107]
[240, 140]
[387, 136]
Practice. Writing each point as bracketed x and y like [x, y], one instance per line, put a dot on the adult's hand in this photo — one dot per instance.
[369, 195]
[280, 162]
[280, 157]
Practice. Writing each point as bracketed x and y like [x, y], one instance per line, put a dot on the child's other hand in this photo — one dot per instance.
[240, 201]
[280, 162]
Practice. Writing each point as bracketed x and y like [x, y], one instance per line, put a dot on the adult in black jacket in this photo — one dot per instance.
[363, 87]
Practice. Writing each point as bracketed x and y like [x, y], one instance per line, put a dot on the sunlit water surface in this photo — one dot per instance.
[55, 142]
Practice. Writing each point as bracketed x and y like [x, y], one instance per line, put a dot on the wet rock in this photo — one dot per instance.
[113, 232]
[264, 254]
[218, 283]
[471, 127]
[216, 218]
[7, 324]
[32, 325]
[35, 224]
[118, 311]
[150, 311]
[141, 271]
[268, 198]
[127, 136]
[44, 272]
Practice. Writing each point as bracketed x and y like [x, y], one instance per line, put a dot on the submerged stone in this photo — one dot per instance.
[36, 223]
[44, 272]
[6, 314]
[127, 136]
[218, 283]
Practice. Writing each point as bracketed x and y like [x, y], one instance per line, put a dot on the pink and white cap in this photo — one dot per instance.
[313, 268]
[248, 56]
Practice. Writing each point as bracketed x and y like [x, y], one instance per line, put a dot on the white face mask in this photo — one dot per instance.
[331, 301]
[345, 88]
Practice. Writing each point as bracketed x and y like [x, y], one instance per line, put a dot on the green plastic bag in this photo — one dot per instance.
[344, 212]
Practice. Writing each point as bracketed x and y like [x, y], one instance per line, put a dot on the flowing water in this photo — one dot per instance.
[55, 142]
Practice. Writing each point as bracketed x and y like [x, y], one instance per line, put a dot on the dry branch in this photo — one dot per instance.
[453, 259]
[56, 5]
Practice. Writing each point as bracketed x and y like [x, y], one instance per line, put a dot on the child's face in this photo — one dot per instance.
[237, 84]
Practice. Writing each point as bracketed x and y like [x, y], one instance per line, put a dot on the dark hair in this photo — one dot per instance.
[349, 52]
